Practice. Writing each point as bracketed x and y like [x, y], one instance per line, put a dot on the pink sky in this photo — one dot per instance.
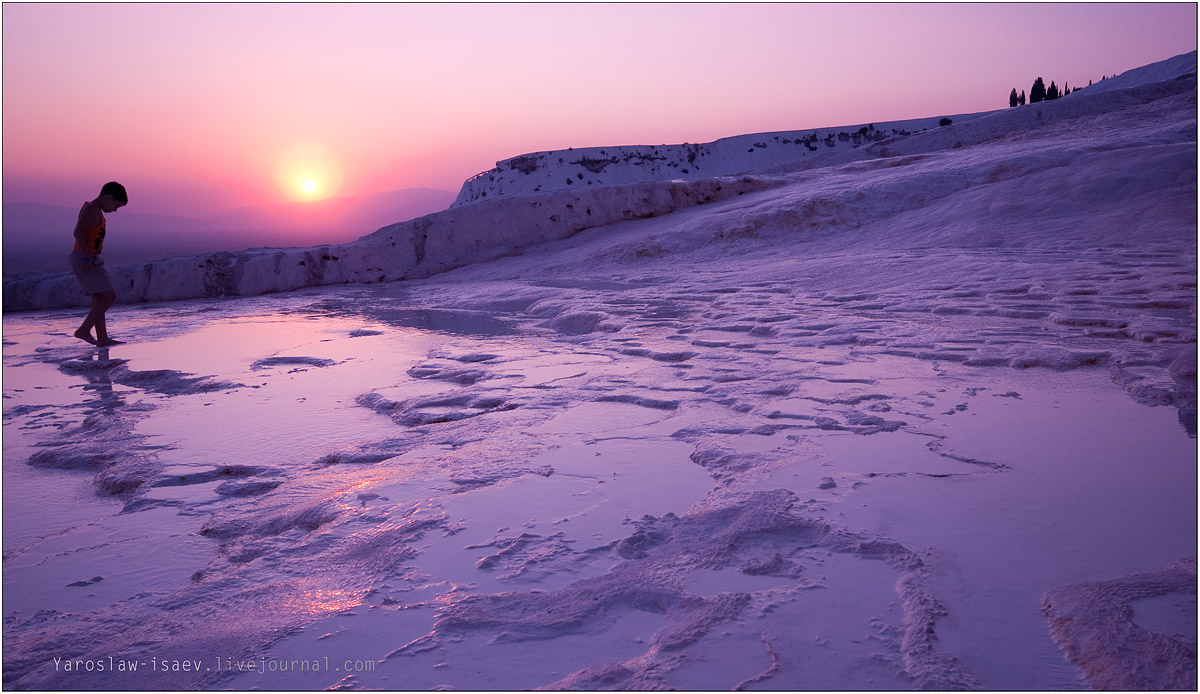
[204, 107]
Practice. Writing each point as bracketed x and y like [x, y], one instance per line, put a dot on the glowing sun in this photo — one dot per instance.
[308, 172]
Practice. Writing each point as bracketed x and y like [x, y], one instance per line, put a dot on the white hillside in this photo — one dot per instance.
[571, 169]
[601, 166]
[1162, 71]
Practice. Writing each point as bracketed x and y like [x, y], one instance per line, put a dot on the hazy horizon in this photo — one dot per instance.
[202, 108]
[37, 234]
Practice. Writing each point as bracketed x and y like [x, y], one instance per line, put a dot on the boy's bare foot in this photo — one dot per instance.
[108, 341]
[85, 336]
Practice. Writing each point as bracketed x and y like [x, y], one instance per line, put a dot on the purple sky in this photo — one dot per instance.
[203, 107]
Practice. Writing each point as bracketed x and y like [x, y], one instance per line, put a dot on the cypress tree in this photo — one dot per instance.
[1012, 98]
[1021, 98]
[1052, 92]
[1038, 91]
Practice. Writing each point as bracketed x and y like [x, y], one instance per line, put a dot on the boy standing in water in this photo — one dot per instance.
[89, 267]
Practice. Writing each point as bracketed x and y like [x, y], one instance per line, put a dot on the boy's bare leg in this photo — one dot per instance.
[85, 329]
[106, 340]
[101, 302]
[108, 298]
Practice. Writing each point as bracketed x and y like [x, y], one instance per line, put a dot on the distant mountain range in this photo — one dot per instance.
[37, 237]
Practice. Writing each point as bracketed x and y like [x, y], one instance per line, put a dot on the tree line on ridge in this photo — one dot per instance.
[1039, 92]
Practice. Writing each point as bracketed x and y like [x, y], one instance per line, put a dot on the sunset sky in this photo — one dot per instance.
[199, 108]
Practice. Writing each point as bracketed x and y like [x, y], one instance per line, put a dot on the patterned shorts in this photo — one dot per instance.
[93, 278]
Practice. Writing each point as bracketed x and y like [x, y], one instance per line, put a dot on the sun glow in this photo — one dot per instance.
[308, 172]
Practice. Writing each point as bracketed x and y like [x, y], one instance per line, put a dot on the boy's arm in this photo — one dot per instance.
[87, 218]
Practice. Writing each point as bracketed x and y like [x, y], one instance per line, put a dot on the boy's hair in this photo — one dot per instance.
[116, 190]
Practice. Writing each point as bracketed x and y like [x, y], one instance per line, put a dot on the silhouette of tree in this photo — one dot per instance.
[1021, 98]
[1012, 98]
[1052, 92]
[1038, 91]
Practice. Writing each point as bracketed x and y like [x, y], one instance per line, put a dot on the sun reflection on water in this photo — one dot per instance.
[315, 603]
